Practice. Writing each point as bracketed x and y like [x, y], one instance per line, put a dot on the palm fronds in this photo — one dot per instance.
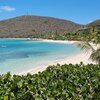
[85, 46]
[91, 34]
[95, 56]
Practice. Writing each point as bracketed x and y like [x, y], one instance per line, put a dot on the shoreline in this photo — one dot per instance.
[74, 59]
[40, 39]
[81, 57]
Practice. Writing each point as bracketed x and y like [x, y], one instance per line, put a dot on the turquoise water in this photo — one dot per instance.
[17, 56]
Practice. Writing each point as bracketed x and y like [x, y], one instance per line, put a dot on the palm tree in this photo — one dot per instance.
[95, 56]
[89, 41]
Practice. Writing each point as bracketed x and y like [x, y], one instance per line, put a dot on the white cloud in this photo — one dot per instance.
[7, 8]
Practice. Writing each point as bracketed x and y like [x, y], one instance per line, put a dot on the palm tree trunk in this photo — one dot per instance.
[99, 62]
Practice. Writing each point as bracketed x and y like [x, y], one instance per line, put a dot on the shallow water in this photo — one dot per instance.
[17, 56]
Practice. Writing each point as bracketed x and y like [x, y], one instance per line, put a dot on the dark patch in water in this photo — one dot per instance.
[20, 55]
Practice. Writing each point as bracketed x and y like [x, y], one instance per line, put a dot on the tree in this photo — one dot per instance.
[90, 41]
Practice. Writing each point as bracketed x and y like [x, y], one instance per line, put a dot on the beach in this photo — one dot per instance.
[74, 59]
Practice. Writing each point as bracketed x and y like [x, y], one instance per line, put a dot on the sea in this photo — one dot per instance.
[19, 55]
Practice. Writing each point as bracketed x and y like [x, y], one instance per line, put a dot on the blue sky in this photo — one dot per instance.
[79, 11]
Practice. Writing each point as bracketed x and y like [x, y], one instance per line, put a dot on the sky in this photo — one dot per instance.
[79, 11]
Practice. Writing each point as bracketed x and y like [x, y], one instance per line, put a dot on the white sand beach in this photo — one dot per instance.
[74, 59]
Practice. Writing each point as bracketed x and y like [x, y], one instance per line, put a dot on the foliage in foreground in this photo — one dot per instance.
[66, 82]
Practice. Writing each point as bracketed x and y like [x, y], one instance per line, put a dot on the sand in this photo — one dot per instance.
[74, 59]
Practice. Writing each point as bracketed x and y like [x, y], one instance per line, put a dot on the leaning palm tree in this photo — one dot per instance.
[89, 43]
[95, 56]
[89, 47]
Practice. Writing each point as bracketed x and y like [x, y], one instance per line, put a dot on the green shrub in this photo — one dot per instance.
[66, 82]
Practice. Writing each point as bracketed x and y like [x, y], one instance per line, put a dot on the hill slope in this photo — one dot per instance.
[95, 23]
[35, 26]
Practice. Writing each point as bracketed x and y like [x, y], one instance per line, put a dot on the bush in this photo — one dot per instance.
[66, 82]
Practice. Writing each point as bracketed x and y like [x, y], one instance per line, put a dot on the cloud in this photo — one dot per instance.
[7, 8]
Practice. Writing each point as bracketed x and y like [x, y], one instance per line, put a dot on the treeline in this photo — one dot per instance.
[93, 33]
